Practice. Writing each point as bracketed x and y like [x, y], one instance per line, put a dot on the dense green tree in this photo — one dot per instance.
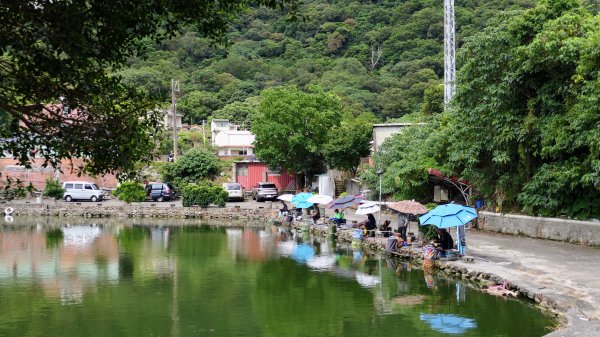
[292, 126]
[239, 113]
[381, 57]
[349, 142]
[194, 166]
[526, 118]
[51, 49]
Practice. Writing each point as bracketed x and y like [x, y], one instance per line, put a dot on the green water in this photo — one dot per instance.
[122, 280]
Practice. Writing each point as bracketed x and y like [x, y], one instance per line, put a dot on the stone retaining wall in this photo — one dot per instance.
[132, 211]
[573, 231]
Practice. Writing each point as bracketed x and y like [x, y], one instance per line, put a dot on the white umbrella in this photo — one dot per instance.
[368, 208]
[286, 197]
[320, 199]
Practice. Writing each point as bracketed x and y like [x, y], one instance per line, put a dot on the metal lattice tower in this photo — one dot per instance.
[449, 52]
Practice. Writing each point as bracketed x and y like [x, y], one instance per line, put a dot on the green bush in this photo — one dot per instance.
[203, 194]
[194, 166]
[130, 191]
[53, 189]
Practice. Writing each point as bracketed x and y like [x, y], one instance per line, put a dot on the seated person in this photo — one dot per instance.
[316, 215]
[283, 211]
[386, 229]
[445, 239]
[368, 225]
[298, 214]
[338, 217]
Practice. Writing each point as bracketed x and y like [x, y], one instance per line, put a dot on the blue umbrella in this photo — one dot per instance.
[300, 200]
[449, 215]
[344, 202]
[450, 324]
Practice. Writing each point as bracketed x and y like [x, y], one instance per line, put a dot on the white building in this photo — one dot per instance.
[229, 141]
[381, 132]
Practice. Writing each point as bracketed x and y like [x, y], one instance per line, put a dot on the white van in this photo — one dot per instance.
[82, 190]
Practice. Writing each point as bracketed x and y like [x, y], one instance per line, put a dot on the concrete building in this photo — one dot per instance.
[168, 120]
[381, 132]
[230, 141]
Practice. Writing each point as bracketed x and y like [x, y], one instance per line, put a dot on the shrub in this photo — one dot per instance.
[195, 165]
[203, 194]
[53, 189]
[130, 191]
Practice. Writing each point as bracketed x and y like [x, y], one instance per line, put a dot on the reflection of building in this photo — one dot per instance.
[79, 262]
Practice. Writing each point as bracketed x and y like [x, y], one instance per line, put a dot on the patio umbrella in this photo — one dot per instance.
[407, 207]
[320, 199]
[368, 208]
[449, 215]
[345, 202]
[448, 323]
[286, 197]
[300, 200]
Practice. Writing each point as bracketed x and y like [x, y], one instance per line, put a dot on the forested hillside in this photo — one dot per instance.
[382, 57]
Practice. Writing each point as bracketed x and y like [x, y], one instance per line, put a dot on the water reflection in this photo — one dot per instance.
[187, 280]
[450, 324]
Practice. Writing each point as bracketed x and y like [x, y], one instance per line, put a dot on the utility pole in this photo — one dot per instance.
[449, 53]
[203, 132]
[174, 88]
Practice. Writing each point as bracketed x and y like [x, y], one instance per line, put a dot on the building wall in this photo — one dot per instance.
[37, 175]
[235, 138]
[259, 172]
[381, 133]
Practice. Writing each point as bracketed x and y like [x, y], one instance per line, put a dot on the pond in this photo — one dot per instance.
[111, 279]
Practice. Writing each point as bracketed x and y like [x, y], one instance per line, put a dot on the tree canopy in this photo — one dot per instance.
[383, 57]
[71, 49]
[524, 127]
[291, 127]
[527, 122]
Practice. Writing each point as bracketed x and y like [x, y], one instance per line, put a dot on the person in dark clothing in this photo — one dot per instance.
[445, 239]
[317, 214]
[284, 207]
[368, 225]
[386, 229]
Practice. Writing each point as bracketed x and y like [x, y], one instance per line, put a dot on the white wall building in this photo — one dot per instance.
[381, 132]
[229, 141]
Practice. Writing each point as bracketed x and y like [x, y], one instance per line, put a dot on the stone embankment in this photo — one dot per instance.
[94, 211]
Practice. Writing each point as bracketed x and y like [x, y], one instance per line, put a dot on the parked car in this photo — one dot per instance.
[264, 191]
[235, 191]
[161, 191]
[82, 190]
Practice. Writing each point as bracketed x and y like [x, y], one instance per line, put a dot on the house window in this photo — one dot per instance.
[242, 152]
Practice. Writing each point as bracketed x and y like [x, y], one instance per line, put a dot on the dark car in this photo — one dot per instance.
[161, 191]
